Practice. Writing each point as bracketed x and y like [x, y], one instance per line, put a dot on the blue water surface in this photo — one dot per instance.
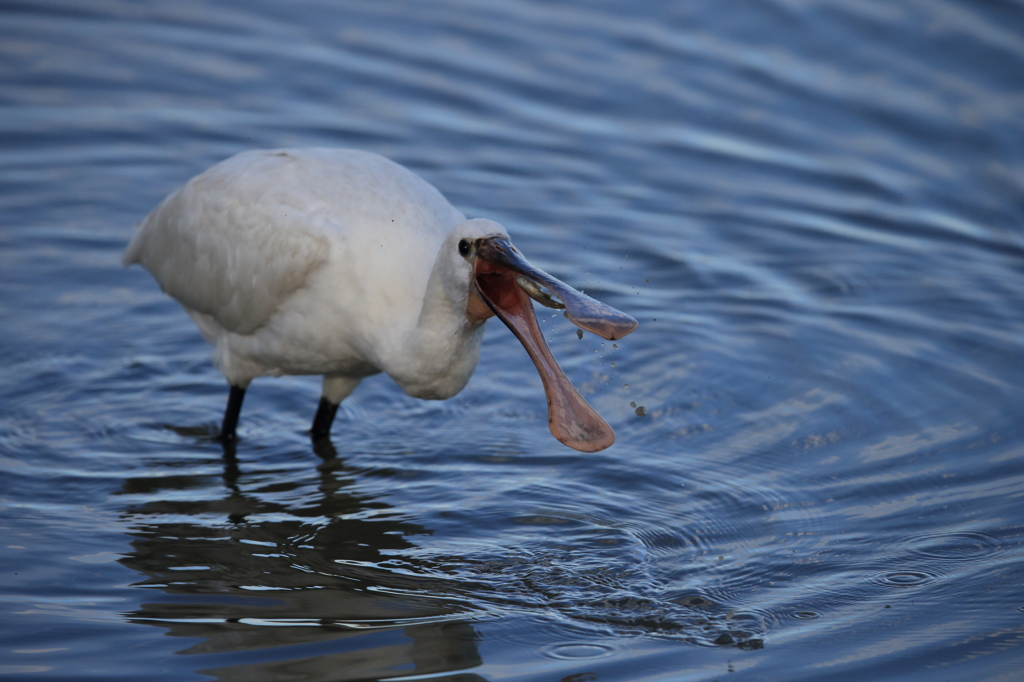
[815, 209]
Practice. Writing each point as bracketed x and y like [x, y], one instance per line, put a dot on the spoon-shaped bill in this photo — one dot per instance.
[571, 419]
[584, 311]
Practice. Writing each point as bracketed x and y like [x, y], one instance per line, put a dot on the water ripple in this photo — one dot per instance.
[907, 578]
[952, 545]
[577, 650]
[813, 209]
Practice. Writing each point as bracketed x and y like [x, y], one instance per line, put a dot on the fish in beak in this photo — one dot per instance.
[506, 282]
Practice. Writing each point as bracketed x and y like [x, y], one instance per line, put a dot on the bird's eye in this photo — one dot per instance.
[463, 247]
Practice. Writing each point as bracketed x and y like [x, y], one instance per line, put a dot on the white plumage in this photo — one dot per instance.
[343, 263]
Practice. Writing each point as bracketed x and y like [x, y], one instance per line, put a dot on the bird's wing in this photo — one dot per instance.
[233, 243]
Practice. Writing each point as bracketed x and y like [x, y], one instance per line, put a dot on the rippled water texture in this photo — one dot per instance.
[813, 208]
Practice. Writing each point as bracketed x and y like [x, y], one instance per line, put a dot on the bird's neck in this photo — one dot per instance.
[439, 355]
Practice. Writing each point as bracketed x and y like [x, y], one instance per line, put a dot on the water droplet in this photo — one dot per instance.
[579, 333]
[613, 364]
[641, 411]
[615, 345]
[625, 385]
[631, 404]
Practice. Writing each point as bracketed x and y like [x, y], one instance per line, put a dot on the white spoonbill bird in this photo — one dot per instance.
[343, 263]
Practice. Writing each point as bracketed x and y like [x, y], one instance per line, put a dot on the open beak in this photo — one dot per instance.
[506, 282]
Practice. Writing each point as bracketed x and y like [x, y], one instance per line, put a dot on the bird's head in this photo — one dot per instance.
[495, 279]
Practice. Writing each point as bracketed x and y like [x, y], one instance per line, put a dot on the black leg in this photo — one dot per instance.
[227, 428]
[325, 412]
[324, 449]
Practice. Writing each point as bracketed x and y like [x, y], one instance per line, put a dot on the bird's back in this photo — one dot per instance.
[237, 241]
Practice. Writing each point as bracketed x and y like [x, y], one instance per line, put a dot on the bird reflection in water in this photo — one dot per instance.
[277, 579]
